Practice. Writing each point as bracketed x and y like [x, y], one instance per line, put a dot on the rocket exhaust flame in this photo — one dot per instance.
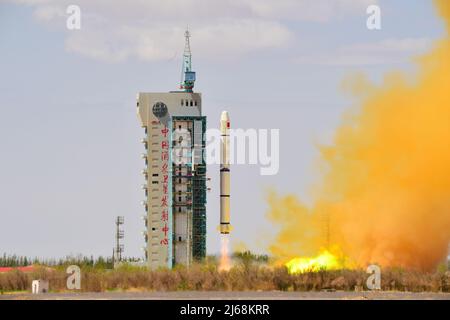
[324, 261]
[385, 191]
[225, 262]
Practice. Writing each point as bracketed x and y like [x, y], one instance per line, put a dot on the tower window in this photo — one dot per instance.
[195, 102]
[182, 102]
[191, 103]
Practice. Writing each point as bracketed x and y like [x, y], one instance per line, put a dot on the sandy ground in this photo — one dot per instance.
[219, 295]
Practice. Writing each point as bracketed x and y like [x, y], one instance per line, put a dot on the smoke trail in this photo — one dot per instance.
[225, 262]
[384, 196]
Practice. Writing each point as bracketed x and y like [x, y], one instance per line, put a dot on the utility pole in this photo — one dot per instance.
[119, 237]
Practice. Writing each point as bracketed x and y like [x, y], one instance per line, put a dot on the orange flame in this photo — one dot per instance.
[225, 262]
[324, 261]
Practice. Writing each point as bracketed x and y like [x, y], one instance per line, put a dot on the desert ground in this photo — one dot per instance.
[227, 295]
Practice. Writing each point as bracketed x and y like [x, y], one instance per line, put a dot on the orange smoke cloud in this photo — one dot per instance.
[385, 192]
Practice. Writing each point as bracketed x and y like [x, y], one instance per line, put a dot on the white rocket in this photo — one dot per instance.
[225, 226]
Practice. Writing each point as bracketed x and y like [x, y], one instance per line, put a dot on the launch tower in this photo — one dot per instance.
[174, 172]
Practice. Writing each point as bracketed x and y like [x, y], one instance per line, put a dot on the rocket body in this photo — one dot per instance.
[225, 226]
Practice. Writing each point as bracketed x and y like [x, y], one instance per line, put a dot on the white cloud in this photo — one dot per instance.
[115, 30]
[316, 10]
[388, 51]
[46, 13]
[163, 42]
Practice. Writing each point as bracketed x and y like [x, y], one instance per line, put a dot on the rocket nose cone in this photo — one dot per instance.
[224, 116]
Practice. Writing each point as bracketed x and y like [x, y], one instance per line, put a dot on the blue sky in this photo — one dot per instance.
[69, 134]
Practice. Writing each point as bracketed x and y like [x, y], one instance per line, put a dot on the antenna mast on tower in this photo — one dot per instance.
[187, 75]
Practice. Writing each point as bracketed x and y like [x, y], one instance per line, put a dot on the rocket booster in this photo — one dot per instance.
[225, 226]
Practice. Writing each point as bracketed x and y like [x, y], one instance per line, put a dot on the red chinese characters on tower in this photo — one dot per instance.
[165, 131]
[165, 173]
[165, 229]
[165, 215]
[164, 203]
[165, 241]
